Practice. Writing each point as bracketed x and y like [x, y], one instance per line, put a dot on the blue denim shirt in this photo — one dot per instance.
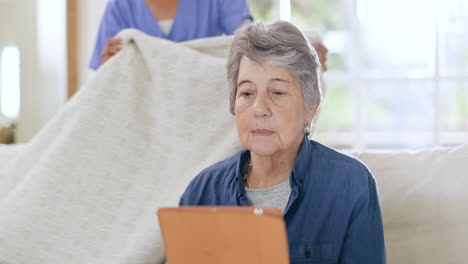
[333, 213]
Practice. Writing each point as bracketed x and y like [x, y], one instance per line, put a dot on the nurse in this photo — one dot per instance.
[176, 20]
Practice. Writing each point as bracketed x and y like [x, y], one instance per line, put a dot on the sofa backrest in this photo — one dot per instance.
[424, 196]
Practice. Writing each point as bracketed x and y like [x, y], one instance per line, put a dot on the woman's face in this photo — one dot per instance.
[269, 109]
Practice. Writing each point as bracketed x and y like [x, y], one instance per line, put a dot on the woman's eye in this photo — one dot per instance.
[279, 93]
[246, 94]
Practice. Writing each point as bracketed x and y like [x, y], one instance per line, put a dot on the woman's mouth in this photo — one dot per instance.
[262, 132]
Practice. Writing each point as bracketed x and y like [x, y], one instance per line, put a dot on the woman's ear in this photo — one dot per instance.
[311, 115]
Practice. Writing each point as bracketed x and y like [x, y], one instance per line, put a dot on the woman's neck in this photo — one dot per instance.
[163, 9]
[268, 171]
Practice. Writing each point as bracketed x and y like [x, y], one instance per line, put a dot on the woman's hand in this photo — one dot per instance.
[322, 54]
[113, 46]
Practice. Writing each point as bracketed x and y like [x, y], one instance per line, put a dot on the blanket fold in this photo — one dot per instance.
[87, 187]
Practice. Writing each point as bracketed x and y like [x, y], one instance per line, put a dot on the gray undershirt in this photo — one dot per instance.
[276, 196]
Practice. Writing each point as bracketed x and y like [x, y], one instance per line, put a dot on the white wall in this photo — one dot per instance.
[52, 54]
[8, 22]
[38, 28]
[90, 13]
[8, 35]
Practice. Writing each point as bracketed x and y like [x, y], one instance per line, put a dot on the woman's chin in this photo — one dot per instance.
[263, 148]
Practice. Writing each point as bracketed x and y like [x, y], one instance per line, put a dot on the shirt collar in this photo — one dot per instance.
[302, 163]
[298, 172]
[244, 157]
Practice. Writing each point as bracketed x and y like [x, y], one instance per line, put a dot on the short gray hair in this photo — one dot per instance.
[280, 44]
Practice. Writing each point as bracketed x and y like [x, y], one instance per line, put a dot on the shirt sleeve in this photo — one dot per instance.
[364, 240]
[184, 199]
[112, 22]
[233, 13]
[198, 192]
[190, 196]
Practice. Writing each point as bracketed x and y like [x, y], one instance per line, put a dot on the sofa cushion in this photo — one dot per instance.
[424, 197]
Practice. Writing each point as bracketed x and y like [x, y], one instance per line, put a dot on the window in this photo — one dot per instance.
[397, 70]
[10, 83]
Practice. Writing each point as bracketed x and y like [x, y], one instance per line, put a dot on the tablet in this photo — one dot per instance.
[215, 235]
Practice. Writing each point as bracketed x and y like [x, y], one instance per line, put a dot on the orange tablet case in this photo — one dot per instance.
[227, 235]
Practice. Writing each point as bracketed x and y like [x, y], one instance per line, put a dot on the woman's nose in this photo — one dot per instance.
[261, 106]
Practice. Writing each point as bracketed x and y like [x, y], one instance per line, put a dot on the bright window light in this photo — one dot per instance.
[10, 82]
[285, 10]
[397, 70]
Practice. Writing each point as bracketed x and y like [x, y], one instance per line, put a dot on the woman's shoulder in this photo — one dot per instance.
[334, 154]
[334, 158]
[212, 185]
[221, 171]
[340, 172]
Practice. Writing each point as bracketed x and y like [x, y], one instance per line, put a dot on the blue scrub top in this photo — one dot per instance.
[193, 19]
[332, 216]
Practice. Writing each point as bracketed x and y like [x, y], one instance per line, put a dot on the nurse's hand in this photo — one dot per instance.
[322, 54]
[113, 46]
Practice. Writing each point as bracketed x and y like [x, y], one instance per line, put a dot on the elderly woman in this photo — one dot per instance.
[329, 200]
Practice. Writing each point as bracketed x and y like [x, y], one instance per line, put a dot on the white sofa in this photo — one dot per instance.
[424, 197]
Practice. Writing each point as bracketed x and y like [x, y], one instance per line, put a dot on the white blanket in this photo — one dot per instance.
[87, 187]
